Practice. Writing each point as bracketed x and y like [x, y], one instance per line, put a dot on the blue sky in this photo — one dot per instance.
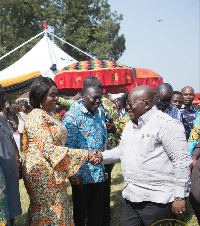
[171, 48]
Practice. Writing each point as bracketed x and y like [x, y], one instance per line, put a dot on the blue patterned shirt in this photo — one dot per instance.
[85, 131]
[173, 112]
[189, 116]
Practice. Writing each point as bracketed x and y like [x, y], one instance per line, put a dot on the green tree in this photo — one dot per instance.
[89, 25]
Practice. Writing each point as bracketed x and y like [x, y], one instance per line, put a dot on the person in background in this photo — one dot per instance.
[10, 164]
[155, 162]
[188, 110]
[10, 106]
[85, 131]
[177, 99]
[22, 113]
[107, 108]
[162, 97]
[12, 119]
[120, 108]
[125, 119]
[47, 161]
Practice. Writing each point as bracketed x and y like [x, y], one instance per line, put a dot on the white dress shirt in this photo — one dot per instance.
[154, 158]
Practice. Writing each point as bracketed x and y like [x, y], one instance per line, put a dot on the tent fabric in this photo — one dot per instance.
[70, 79]
[144, 77]
[38, 61]
[115, 77]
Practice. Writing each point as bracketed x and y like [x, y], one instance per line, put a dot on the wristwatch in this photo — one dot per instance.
[179, 199]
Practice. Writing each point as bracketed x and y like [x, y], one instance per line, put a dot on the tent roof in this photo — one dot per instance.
[34, 63]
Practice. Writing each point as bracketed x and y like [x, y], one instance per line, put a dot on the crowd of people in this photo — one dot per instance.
[154, 134]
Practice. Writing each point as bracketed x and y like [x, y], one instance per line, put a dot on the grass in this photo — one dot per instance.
[116, 201]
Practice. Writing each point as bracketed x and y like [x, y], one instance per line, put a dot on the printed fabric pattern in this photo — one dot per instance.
[85, 131]
[195, 134]
[47, 164]
[189, 116]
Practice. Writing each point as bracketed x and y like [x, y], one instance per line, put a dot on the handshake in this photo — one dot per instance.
[95, 157]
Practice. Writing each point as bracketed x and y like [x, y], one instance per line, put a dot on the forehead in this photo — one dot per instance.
[188, 90]
[52, 89]
[177, 96]
[94, 91]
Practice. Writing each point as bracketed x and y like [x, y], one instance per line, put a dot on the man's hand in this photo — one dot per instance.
[178, 207]
[95, 157]
[76, 180]
[111, 128]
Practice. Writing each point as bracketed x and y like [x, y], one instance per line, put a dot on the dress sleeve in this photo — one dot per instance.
[43, 138]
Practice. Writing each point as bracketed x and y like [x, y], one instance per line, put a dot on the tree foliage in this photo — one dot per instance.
[89, 25]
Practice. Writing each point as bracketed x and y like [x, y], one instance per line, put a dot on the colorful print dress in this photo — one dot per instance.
[47, 164]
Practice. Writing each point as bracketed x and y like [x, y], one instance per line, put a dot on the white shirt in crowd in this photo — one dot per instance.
[154, 158]
[21, 117]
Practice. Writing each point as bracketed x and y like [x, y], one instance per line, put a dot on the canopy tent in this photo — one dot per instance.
[145, 77]
[45, 59]
[115, 77]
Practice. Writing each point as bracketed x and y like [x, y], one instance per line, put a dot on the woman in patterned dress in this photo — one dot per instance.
[47, 162]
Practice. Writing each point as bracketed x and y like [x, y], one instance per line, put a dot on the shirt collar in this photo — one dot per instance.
[191, 108]
[145, 117]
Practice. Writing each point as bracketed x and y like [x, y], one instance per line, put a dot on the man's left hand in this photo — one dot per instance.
[178, 207]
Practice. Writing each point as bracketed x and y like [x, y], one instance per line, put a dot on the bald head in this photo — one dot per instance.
[140, 100]
[143, 92]
[164, 89]
[163, 96]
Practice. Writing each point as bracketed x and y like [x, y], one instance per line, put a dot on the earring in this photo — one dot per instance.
[41, 106]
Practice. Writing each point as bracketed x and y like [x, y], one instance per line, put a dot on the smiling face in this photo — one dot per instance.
[50, 99]
[92, 99]
[139, 102]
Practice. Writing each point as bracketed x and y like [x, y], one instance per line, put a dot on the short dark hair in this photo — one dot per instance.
[177, 92]
[39, 88]
[87, 88]
[89, 80]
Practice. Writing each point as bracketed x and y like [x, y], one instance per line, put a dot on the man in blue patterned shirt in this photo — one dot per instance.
[188, 110]
[85, 131]
[162, 96]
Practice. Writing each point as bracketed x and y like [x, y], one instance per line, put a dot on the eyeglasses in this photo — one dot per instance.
[53, 94]
[131, 103]
[164, 102]
[3, 96]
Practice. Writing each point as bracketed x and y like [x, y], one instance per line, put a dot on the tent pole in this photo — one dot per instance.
[71, 45]
[21, 45]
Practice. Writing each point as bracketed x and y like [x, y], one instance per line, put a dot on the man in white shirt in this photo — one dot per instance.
[155, 162]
